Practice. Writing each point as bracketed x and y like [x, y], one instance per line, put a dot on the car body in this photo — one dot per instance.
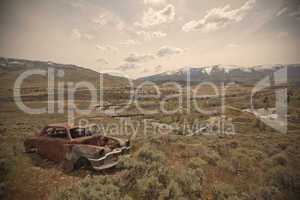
[74, 147]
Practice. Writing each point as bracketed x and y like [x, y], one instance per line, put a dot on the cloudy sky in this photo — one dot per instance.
[143, 37]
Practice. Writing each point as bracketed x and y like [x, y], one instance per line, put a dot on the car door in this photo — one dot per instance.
[51, 145]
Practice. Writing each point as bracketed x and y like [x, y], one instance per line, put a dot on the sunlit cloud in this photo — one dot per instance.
[108, 19]
[148, 35]
[168, 51]
[107, 48]
[102, 61]
[154, 2]
[130, 42]
[76, 34]
[281, 11]
[219, 18]
[134, 57]
[127, 66]
[156, 17]
[296, 13]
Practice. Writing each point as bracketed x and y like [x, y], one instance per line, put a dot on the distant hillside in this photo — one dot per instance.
[222, 73]
[11, 68]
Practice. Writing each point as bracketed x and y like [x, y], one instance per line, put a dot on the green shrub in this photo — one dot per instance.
[149, 155]
[190, 183]
[197, 163]
[226, 165]
[256, 154]
[145, 177]
[134, 170]
[149, 163]
[281, 178]
[151, 178]
[3, 169]
[212, 158]
[241, 161]
[279, 159]
[148, 188]
[271, 150]
[164, 173]
[269, 193]
[223, 191]
[97, 188]
[172, 192]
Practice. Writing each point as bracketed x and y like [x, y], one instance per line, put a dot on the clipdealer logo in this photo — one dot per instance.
[275, 118]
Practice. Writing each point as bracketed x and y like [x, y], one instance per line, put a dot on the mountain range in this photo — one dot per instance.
[11, 68]
[224, 73]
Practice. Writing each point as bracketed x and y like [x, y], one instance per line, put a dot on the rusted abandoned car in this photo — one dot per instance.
[76, 147]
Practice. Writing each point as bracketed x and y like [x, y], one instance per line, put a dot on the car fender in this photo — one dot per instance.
[84, 151]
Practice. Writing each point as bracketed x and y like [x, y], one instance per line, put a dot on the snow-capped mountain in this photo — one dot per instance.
[224, 73]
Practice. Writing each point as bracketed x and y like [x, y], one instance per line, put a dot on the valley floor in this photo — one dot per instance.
[255, 163]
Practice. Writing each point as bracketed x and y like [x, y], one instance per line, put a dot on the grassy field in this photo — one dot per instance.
[255, 163]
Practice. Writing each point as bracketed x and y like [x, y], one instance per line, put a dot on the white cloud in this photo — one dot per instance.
[88, 36]
[155, 17]
[108, 19]
[296, 13]
[154, 2]
[102, 61]
[151, 35]
[159, 34]
[107, 48]
[282, 35]
[76, 34]
[134, 57]
[167, 51]
[128, 66]
[161, 52]
[76, 4]
[218, 18]
[100, 20]
[282, 11]
[130, 42]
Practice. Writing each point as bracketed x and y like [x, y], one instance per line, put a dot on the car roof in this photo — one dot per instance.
[64, 125]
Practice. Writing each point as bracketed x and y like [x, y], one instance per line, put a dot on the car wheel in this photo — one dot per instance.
[82, 163]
